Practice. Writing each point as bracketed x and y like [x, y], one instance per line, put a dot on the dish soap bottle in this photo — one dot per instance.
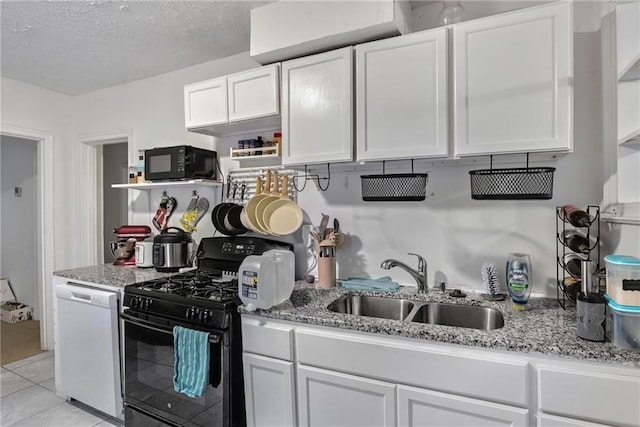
[519, 279]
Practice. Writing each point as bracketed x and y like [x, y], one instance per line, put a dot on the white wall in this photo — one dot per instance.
[18, 169]
[152, 112]
[31, 107]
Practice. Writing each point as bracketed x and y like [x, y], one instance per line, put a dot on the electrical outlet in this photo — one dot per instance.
[306, 235]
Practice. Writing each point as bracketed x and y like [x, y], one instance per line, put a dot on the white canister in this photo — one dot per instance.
[144, 254]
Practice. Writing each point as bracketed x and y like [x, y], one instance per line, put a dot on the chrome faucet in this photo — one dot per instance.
[420, 274]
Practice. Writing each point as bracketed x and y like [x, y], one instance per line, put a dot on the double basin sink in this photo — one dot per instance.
[437, 313]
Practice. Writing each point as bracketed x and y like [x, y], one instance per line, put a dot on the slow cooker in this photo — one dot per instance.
[171, 250]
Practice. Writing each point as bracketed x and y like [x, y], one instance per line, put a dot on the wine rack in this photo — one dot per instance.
[568, 261]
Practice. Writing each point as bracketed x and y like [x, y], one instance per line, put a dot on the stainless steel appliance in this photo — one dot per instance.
[179, 162]
[204, 299]
[172, 250]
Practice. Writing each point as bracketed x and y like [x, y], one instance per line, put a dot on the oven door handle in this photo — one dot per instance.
[213, 338]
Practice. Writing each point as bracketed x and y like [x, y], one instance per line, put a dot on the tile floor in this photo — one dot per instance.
[28, 398]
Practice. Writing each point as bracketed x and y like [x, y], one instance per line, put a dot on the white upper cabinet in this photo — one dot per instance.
[317, 108]
[627, 41]
[513, 82]
[401, 86]
[205, 103]
[240, 102]
[254, 94]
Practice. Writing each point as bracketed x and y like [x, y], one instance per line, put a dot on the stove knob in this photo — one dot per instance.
[191, 313]
[145, 303]
[135, 302]
[205, 315]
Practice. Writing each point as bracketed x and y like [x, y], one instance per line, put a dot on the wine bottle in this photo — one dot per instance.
[576, 217]
[576, 241]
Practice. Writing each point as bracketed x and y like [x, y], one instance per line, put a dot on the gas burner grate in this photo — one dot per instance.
[210, 285]
[221, 291]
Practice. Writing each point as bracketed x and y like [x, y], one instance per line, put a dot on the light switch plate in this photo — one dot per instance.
[17, 191]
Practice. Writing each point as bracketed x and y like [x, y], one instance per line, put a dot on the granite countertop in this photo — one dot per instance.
[117, 276]
[544, 328]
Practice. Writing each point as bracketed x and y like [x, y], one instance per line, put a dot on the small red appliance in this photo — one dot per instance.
[123, 248]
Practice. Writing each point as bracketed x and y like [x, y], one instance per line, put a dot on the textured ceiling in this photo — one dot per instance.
[80, 46]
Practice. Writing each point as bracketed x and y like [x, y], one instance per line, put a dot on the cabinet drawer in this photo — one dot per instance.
[453, 370]
[268, 339]
[599, 397]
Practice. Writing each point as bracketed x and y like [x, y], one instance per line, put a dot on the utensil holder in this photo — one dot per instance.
[326, 271]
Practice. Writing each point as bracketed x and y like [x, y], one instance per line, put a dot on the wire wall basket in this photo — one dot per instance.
[512, 184]
[401, 187]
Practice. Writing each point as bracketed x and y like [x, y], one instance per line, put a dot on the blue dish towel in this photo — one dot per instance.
[362, 284]
[191, 369]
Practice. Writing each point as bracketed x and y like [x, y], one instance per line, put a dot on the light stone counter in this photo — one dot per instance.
[544, 328]
[117, 276]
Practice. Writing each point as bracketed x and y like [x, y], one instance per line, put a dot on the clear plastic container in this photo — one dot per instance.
[266, 280]
[623, 279]
[623, 325]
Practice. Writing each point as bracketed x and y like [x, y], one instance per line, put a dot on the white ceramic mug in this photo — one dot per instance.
[144, 251]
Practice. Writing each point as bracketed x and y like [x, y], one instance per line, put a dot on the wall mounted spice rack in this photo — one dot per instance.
[569, 261]
[255, 153]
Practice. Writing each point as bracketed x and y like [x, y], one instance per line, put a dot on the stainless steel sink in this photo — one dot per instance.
[385, 308]
[464, 316]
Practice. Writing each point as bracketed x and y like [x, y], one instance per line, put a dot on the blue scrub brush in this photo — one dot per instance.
[491, 283]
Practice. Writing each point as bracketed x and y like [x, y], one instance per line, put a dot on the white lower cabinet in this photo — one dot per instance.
[419, 407]
[269, 391]
[323, 376]
[269, 373]
[327, 398]
[545, 420]
[607, 396]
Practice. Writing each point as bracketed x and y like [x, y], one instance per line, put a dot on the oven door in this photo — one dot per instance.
[148, 376]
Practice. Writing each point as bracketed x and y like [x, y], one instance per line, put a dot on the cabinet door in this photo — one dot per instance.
[545, 420]
[601, 397]
[205, 103]
[269, 391]
[327, 398]
[254, 93]
[419, 407]
[402, 97]
[513, 82]
[317, 108]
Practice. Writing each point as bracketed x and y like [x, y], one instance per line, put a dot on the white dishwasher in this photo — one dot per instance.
[87, 347]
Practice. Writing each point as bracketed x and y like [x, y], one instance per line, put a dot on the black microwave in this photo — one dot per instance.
[179, 162]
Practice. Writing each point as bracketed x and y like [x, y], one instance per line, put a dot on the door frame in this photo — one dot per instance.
[44, 225]
[92, 219]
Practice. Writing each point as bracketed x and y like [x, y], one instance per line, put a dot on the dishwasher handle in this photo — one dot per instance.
[86, 295]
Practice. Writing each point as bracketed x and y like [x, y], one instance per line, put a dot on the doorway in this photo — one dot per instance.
[19, 189]
[115, 169]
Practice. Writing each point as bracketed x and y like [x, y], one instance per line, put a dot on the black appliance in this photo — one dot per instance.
[204, 299]
[179, 162]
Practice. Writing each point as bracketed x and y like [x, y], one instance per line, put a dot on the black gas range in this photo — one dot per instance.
[205, 299]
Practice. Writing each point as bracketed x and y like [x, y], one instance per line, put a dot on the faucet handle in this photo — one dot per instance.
[422, 263]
